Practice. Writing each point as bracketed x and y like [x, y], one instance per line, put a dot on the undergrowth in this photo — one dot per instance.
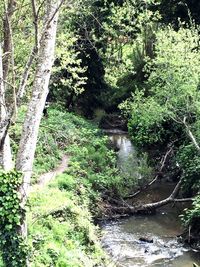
[61, 230]
[61, 216]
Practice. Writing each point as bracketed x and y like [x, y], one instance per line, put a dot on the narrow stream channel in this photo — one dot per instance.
[121, 238]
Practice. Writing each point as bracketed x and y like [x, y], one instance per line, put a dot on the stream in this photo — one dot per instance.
[121, 237]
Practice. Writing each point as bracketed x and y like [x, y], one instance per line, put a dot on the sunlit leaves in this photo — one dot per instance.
[173, 84]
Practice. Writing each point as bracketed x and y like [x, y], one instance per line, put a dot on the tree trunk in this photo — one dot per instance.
[7, 37]
[30, 130]
[149, 208]
[5, 149]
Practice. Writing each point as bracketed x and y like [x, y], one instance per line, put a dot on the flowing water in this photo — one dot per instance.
[121, 237]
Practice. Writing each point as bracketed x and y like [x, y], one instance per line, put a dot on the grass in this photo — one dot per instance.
[60, 218]
[61, 229]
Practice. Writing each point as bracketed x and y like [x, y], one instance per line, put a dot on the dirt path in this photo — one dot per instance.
[47, 177]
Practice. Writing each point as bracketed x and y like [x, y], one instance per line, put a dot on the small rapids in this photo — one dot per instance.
[121, 241]
[121, 238]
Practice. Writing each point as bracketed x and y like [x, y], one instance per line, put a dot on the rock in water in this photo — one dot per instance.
[146, 239]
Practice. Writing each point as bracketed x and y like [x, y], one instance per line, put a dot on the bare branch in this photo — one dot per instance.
[32, 56]
[163, 161]
[126, 210]
[34, 51]
[183, 199]
[8, 83]
[7, 49]
[192, 137]
[176, 190]
[25, 75]
[39, 8]
[35, 22]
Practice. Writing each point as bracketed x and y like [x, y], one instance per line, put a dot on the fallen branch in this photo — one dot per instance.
[163, 160]
[150, 207]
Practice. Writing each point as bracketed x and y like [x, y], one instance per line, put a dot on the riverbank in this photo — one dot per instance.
[147, 240]
[61, 214]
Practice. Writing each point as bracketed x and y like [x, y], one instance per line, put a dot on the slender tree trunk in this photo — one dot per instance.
[32, 55]
[7, 47]
[5, 149]
[30, 130]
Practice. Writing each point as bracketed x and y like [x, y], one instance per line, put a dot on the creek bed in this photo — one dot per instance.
[121, 237]
[121, 241]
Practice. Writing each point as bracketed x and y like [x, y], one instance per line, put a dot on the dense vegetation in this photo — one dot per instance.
[137, 61]
[61, 215]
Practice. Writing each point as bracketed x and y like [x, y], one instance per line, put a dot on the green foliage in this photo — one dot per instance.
[173, 82]
[136, 172]
[61, 227]
[79, 66]
[174, 10]
[91, 162]
[131, 30]
[191, 220]
[51, 234]
[94, 165]
[63, 233]
[169, 110]
[13, 247]
[189, 162]
[68, 77]
[96, 48]
[54, 137]
[146, 117]
[173, 75]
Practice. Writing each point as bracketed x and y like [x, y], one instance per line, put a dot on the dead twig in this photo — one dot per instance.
[162, 162]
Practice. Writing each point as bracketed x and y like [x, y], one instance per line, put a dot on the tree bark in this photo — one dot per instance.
[27, 146]
[5, 149]
[32, 56]
[7, 36]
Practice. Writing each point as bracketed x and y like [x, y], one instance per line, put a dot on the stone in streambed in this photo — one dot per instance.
[146, 239]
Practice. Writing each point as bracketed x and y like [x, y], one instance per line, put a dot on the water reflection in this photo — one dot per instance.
[126, 150]
[121, 238]
[122, 142]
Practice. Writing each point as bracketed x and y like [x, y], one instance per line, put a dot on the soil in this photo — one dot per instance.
[47, 177]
